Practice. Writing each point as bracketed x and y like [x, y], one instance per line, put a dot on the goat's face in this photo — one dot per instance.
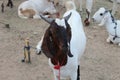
[57, 37]
[53, 29]
[99, 15]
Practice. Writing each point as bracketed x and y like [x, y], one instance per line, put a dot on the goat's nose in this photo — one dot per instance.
[38, 52]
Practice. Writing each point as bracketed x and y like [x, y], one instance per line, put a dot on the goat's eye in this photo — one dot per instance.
[101, 14]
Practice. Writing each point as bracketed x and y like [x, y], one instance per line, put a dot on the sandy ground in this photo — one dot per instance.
[101, 61]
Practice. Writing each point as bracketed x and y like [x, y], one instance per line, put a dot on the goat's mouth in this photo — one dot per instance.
[38, 52]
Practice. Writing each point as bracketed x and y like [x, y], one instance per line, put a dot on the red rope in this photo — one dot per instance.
[57, 67]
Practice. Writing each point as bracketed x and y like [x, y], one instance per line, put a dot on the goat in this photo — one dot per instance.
[32, 8]
[89, 4]
[71, 45]
[104, 17]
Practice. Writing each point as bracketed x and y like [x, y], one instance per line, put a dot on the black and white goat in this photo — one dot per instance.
[104, 17]
[71, 45]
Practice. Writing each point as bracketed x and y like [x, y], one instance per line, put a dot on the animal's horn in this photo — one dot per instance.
[49, 20]
[67, 17]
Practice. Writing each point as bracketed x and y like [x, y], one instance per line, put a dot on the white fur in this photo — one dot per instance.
[77, 46]
[106, 20]
[39, 6]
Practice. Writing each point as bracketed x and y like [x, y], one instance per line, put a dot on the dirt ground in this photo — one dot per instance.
[101, 60]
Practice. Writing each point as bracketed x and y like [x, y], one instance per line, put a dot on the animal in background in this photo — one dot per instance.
[89, 4]
[33, 8]
[104, 18]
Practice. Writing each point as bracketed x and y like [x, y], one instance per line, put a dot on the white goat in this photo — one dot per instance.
[104, 17]
[32, 8]
[77, 44]
[89, 4]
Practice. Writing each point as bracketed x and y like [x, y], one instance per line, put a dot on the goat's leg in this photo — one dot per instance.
[78, 73]
[89, 4]
[87, 20]
[73, 76]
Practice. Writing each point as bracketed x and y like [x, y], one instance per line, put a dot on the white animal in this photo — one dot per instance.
[104, 17]
[32, 8]
[77, 44]
[89, 4]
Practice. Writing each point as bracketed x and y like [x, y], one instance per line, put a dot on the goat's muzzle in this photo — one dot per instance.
[38, 52]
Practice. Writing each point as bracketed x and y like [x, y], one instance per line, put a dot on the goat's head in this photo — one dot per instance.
[57, 37]
[101, 16]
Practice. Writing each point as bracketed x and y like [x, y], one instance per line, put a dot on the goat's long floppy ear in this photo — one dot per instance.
[49, 20]
[68, 29]
[67, 17]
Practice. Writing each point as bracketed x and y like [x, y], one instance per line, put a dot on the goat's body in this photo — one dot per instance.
[38, 6]
[112, 32]
[105, 18]
[77, 47]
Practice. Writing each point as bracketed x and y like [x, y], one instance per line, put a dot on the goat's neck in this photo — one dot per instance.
[110, 25]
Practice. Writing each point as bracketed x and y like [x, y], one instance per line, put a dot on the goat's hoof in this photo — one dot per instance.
[111, 42]
[87, 22]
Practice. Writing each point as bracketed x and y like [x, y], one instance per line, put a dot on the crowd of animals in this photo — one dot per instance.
[60, 43]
